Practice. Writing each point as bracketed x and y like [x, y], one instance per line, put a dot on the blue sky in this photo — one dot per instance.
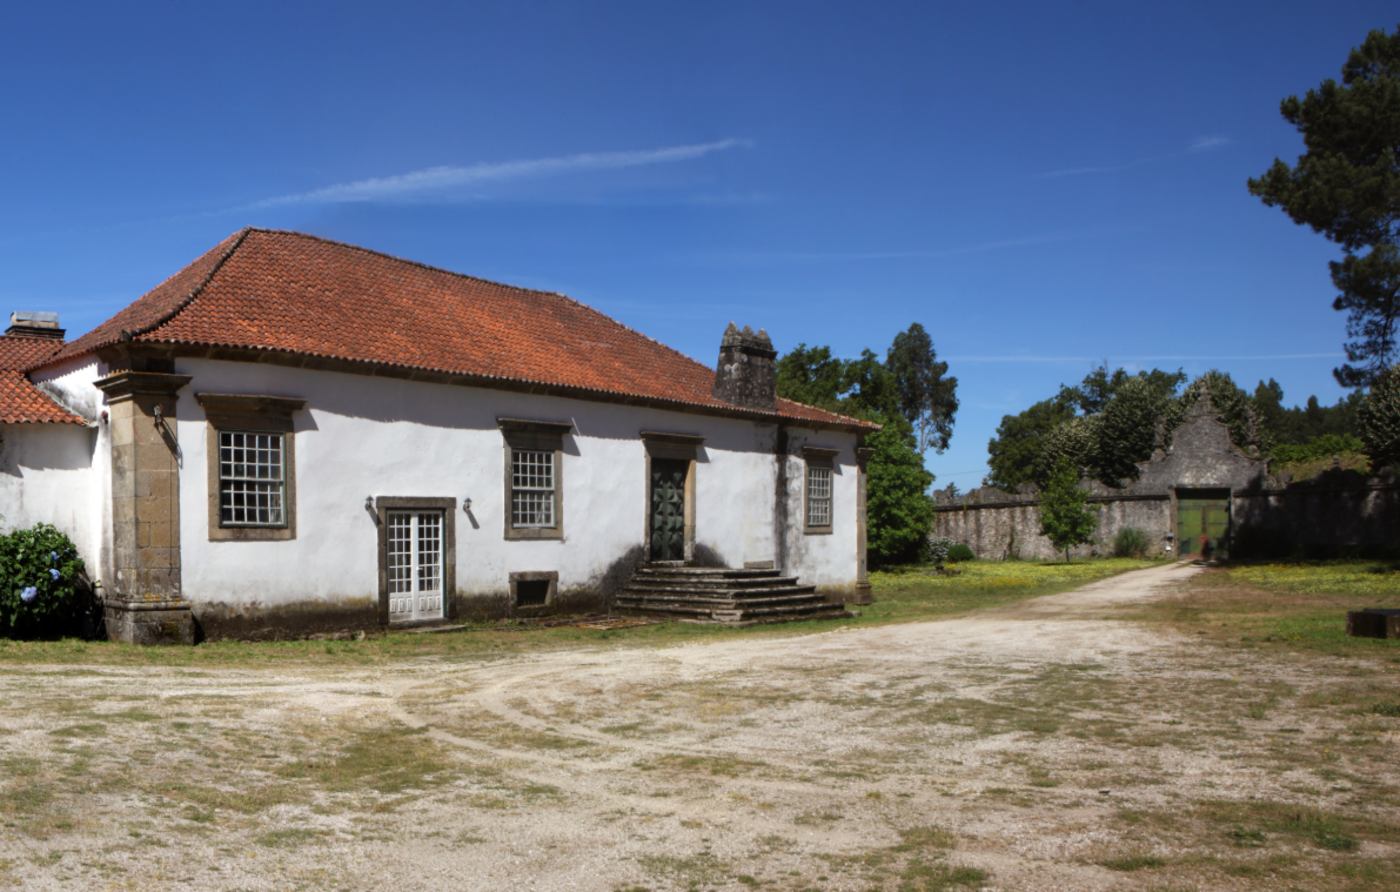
[1043, 186]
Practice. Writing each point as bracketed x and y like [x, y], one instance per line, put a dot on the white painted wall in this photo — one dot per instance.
[365, 436]
[46, 476]
[73, 384]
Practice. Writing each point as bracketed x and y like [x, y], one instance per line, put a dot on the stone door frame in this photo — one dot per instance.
[674, 447]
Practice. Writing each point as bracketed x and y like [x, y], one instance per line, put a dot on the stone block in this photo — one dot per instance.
[165, 622]
[1373, 622]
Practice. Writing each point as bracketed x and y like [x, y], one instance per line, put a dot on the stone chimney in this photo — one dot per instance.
[30, 324]
[746, 375]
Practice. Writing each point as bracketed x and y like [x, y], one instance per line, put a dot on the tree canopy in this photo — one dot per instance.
[1346, 186]
[927, 395]
[912, 396]
[1102, 426]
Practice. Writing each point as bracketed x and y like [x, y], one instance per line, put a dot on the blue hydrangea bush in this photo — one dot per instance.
[44, 589]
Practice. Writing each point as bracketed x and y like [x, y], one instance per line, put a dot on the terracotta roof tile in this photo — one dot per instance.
[289, 292]
[20, 401]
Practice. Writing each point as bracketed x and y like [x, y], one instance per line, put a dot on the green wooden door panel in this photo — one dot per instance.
[668, 509]
[1201, 519]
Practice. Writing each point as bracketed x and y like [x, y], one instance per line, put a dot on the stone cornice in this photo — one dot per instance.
[125, 385]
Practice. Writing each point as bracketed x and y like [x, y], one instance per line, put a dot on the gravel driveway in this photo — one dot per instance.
[1047, 745]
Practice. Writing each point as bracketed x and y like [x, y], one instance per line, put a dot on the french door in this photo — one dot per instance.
[415, 572]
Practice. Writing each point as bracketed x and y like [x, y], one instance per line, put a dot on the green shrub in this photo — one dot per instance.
[44, 590]
[1131, 542]
[1324, 446]
[960, 552]
[936, 549]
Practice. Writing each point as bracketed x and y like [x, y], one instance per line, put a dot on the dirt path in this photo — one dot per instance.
[1041, 746]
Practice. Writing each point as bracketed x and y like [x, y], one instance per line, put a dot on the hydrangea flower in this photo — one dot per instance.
[53, 557]
[28, 593]
[53, 571]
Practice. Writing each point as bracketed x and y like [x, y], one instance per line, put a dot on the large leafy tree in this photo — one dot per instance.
[899, 512]
[1346, 186]
[927, 394]
[1065, 516]
[1014, 454]
[1102, 426]
[1127, 428]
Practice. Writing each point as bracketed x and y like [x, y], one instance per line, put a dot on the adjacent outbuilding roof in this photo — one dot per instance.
[290, 293]
[21, 402]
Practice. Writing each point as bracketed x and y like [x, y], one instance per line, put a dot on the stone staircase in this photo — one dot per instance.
[722, 595]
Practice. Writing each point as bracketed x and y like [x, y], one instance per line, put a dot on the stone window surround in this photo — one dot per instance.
[818, 457]
[517, 577]
[544, 436]
[252, 413]
[683, 447]
[448, 506]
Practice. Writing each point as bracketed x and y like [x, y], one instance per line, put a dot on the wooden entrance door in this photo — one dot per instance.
[1202, 522]
[415, 566]
[668, 508]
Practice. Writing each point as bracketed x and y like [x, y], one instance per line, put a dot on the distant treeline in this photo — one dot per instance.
[1113, 419]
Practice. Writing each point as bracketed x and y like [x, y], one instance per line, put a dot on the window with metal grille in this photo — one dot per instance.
[252, 479]
[818, 495]
[531, 488]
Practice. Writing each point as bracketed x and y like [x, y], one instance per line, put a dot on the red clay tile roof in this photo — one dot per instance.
[20, 401]
[294, 293]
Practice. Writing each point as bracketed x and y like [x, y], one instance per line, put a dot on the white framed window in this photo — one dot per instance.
[818, 490]
[251, 449]
[532, 489]
[818, 496]
[534, 471]
[252, 479]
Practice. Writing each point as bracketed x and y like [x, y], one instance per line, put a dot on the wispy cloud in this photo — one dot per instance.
[447, 179]
[1035, 359]
[1197, 146]
[1206, 143]
[910, 254]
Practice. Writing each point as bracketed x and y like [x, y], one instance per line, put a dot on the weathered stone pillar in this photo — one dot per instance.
[863, 591]
[143, 603]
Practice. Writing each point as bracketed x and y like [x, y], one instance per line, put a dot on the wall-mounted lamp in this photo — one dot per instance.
[467, 504]
[369, 503]
[159, 415]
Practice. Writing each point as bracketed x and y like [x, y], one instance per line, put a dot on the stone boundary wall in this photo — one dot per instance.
[1009, 529]
[1340, 512]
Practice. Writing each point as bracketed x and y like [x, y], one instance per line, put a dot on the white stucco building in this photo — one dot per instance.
[294, 435]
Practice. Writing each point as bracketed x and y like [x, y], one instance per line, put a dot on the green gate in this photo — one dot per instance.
[1203, 519]
[668, 509]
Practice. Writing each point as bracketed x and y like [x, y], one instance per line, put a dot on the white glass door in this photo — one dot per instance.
[415, 566]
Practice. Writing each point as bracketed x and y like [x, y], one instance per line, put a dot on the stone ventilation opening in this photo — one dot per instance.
[532, 590]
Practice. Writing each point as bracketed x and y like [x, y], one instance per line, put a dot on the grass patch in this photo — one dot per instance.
[901, 595]
[1298, 606]
[289, 838]
[1252, 822]
[388, 760]
[1130, 863]
[912, 593]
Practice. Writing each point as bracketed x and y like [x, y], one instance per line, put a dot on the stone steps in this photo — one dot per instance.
[722, 595]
